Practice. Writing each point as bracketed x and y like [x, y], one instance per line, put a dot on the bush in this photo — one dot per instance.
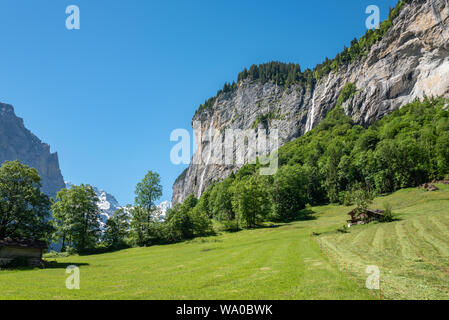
[229, 225]
[343, 198]
[54, 254]
[388, 214]
[71, 251]
[202, 225]
[179, 225]
[347, 92]
[343, 229]
[347, 200]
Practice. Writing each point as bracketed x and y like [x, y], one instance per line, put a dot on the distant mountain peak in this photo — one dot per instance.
[161, 210]
[107, 203]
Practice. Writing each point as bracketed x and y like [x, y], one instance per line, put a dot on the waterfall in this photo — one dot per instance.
[309, 124]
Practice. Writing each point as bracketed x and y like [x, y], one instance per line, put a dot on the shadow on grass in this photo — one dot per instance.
[46, 265]
[62, 265]
[262, 226]
[394, 219]
[305, 218]
[102, 250]
[305, 215]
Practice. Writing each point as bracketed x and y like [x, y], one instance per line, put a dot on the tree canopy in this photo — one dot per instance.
[24, 209]
[76, 216]
[145, 229]
[117, 229]
[148, 191]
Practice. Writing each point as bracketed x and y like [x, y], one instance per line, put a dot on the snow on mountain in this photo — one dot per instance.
[107, 203]
[161, 210]
[164, 206]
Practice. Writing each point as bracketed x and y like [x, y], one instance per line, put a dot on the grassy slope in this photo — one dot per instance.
[412, 252]
[271, 263]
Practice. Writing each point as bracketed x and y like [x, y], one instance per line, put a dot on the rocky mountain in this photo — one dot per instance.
[108, 204]
[18, 143]
[411, 61]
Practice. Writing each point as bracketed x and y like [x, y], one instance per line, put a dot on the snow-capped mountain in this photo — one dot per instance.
[164, 206]
[107, 203]
[162, 210]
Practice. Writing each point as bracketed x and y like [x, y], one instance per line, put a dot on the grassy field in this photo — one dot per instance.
[287, 262]
[412, 253]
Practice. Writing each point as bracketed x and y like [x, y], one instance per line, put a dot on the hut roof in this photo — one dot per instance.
[8, 242]
[368, 212]
[381, 212]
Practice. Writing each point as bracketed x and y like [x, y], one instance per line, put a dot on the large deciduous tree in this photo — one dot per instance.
[24, 209]
[289, 192]
[77, 217]
[144, 229]
[148, 191]
[251, 201]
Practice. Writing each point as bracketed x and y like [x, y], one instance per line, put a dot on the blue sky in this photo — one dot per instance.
[106, 97]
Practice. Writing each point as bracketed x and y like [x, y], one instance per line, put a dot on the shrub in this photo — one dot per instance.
[70, 251]
[347, 92]
[388, 214]
[343, 198]
[347, 200]
[343, 229]
[54, 254]
[229, 225]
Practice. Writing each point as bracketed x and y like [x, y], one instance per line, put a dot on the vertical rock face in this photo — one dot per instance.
[18, 143]
[410, 62]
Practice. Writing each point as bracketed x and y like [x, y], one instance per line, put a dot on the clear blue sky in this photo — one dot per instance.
[106, 97]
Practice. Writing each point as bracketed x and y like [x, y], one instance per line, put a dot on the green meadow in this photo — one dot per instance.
[300, 260]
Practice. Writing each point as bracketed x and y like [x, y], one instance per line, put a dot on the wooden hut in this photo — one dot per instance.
[30, 250]
[365, 216]
[429, 187]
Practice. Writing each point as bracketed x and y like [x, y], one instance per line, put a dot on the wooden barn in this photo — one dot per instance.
[365, 216]
[23, 249]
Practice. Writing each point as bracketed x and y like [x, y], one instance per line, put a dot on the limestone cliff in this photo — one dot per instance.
[18, 143]
[411, 61]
